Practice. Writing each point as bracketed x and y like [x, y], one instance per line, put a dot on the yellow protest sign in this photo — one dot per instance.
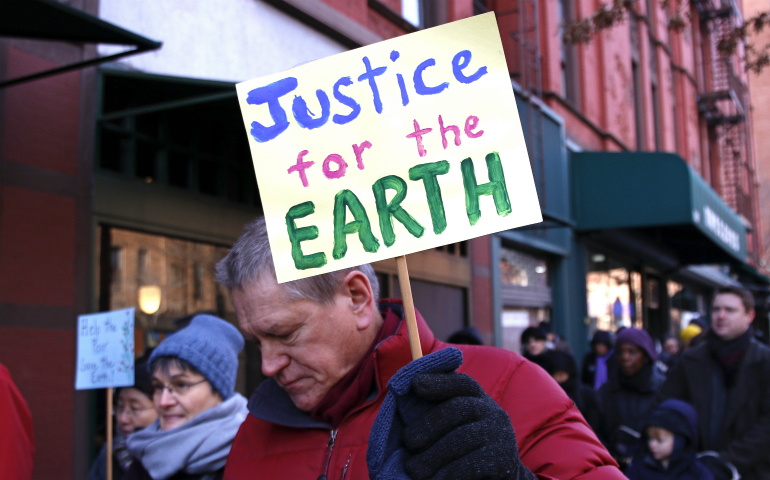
[393, 148]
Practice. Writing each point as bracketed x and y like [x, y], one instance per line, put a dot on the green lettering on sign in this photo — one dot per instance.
[387, 211]
[427, 172]
[343, 201]
[495, 187]
[297, 235]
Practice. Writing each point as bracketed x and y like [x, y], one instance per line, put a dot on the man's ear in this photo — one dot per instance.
[356, 287]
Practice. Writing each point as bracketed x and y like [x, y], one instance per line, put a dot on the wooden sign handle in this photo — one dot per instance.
[411, 318]
[109, 433]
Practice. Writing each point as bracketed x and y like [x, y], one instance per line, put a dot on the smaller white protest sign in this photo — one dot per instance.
[105, 350]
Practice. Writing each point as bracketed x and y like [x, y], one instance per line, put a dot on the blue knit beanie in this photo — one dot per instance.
[209, 344]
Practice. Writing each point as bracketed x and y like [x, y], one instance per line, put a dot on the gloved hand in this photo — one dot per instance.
[464, 434]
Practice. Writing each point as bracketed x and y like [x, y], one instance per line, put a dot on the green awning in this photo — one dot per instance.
[56, 21]
[659, 196]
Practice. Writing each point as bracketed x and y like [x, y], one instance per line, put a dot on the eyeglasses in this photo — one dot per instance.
[129, 411]
[177, 388]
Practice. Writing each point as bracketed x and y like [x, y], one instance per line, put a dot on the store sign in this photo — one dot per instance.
[105, 350]
[389, 149]
[721, 229]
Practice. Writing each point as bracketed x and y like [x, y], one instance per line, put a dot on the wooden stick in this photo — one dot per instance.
[411, 318]
[109, 433]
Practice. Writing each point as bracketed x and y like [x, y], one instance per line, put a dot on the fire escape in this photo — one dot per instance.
[519, 28]
[724, 106]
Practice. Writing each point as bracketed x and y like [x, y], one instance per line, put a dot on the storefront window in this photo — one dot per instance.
[521, 269]
[686, 304]
[614, 294]
[141, 265]
[526, 295]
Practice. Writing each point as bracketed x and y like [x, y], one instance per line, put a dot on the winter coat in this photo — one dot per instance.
[196, 450]
[623, 405]
[137, 472]
[17, 439]
[745, 431]
[99, 467]
[688, 468]
[277, 440]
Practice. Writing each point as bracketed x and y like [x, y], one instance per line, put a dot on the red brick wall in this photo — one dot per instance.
[481, 288]
[38, 253]
[42, 365]
[41, 117]
[37, 248]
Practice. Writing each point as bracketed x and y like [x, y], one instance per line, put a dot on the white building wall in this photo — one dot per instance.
[229, 40]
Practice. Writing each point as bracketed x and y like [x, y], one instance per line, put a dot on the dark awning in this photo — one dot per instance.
[656, 196]
[56, 21]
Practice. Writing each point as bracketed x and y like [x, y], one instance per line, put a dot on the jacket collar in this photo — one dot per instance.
[395, 352]
[271, 403]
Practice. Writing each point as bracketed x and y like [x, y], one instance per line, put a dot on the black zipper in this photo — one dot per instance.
[328, 455]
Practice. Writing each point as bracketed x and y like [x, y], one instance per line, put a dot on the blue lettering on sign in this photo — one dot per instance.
[304, 115]
[270, 94]
[370, 74]
[345, 100]
[459, 62]
[419, 83]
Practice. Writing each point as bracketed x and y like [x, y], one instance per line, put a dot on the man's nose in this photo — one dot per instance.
[273, 359]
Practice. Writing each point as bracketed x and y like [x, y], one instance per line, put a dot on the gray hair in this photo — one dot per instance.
[251, 257]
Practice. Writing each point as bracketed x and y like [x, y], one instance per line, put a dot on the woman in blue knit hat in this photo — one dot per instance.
[193, 381]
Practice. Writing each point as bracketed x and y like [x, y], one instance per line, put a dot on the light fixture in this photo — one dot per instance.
[149, 299]
[540, 269]
[598, 258]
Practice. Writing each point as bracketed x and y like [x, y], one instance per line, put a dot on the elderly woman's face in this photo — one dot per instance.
[134, 410]
[180, 395]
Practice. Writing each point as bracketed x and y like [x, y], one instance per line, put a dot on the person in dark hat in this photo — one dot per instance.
[533, 342]
[466, 336]
[628, 397]
[594, 372]
[669, 439]
[134, 411]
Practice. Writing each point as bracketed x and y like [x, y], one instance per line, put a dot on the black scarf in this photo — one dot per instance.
[729, 353]
[638, 383]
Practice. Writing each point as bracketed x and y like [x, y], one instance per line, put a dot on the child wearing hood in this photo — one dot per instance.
[670, 435]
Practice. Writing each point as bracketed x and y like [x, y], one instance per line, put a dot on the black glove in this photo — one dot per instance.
[463, 435]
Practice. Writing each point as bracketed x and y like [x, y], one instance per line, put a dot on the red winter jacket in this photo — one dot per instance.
[17, 439]
[277, 440]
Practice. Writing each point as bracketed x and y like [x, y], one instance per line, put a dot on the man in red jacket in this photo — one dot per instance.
[329, 351]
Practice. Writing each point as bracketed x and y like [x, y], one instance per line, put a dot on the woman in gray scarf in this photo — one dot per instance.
[193, 380]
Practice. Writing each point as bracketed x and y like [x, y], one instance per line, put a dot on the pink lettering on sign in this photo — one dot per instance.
[359, 150]
[471, 123]
[417, 134]
[444, 129]
[341, 166]
[301, 166]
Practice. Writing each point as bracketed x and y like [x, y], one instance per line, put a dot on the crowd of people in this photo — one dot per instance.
[693, 407]
[343, 398]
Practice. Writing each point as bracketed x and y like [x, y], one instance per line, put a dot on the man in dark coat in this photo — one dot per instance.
[727, 379]
[628, 397]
